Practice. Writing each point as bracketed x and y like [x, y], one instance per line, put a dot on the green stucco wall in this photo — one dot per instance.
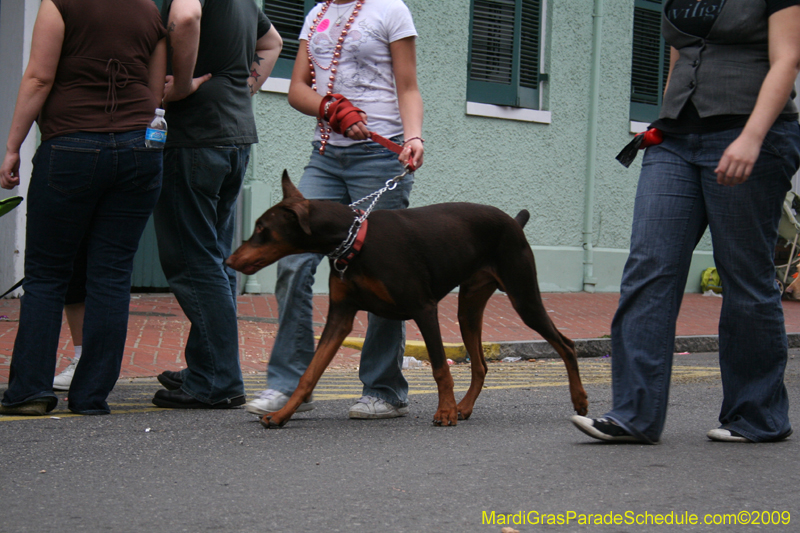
[506, 163]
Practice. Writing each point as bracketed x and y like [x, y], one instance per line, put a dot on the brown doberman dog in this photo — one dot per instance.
[409, 261]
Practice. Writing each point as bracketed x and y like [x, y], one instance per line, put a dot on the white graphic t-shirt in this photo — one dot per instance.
[364, 74]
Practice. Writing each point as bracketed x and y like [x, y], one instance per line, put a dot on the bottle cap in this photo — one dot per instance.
[159, 112]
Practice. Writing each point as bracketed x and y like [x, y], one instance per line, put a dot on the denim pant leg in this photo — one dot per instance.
[343, 174]
[118, 222]
[59, 205]
[194, 222]
[75, 193]
[381, 367]
[668, 221]
[744, 227]
[294, 344]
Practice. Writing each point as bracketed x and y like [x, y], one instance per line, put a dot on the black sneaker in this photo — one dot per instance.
[178, 399]
[171, 379]
[603, 429]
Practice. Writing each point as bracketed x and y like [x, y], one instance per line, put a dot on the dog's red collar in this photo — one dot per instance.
[352, 252]
[342, 259]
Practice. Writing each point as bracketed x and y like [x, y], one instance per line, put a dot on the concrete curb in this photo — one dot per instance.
[602, 347]
[495, 351]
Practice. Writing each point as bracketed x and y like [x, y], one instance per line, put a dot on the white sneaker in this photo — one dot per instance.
[726, 435]
[64, 379]
[270, 400]
[372, 407]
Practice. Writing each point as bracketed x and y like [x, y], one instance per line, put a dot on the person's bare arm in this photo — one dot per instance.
[739, 158]
[157, 70]
[37, 81]
[268, 48]
[301, 96]
[183, 32]
[409, 99]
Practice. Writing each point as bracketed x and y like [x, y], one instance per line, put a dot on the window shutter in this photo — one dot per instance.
[287, 16]
[650, 61]
[504, 52]
[528, 93]
[492, 58]
[529, 45]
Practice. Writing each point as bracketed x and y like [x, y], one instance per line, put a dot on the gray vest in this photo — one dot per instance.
[721, 74]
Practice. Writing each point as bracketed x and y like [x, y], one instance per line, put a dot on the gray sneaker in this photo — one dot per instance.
[64, 379]
[372, 407]
[270, 400]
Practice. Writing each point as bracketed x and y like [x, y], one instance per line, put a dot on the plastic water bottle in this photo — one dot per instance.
[156, 134]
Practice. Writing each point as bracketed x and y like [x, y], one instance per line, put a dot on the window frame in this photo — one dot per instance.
[521, 90]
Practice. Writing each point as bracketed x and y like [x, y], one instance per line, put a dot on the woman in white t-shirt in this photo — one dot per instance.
[365, 51]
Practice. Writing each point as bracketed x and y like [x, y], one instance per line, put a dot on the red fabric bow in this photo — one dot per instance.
[341, 113]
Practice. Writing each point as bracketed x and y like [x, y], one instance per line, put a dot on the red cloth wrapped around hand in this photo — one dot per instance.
[341, 113]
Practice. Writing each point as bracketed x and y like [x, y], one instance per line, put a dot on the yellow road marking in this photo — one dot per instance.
[134, 396]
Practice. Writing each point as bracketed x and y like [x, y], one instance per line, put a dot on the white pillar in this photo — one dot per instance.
[16, 27]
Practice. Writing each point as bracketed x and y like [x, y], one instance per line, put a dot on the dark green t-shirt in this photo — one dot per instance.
[220, 112]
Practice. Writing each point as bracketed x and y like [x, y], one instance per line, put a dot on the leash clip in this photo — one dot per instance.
[392, 183]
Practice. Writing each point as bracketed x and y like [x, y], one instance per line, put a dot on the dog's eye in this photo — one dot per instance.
[259, 227]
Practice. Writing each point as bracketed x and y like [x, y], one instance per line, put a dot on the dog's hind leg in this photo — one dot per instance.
[428, 323]
[472, 298]
[537, 319]
[338, 326]
[518, 278]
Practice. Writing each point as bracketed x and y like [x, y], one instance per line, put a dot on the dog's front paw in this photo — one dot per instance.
[581, 403]
[446, 417]
[464, 410]
[271, 422]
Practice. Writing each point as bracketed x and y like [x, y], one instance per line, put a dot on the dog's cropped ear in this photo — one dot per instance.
[289, 190]
[300, 208]
[522, 217]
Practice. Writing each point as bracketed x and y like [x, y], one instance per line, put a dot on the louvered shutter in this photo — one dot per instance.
[504, 52]
[650, 61]
[287, 16]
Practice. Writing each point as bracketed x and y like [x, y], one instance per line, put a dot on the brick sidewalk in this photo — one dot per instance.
[158, 328]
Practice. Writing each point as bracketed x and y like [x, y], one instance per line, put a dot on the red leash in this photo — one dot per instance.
[393, 146]
[342, 114]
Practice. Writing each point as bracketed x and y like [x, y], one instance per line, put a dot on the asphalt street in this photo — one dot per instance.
[518, 459]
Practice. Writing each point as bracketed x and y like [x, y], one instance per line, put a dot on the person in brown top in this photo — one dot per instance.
[95, 77]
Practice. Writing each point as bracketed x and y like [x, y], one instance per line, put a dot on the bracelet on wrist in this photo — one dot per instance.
[327, 100]
[414, 138]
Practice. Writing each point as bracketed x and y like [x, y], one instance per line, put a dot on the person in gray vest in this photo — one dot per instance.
[731, 143]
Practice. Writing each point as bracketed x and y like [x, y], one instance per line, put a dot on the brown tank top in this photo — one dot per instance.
[101, 83]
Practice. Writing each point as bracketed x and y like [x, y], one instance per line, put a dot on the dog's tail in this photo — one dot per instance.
[522, 217]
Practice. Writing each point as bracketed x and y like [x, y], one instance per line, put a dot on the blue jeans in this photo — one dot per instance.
[195, 223]
[101, 187]
[677, 198]
[343, 174]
